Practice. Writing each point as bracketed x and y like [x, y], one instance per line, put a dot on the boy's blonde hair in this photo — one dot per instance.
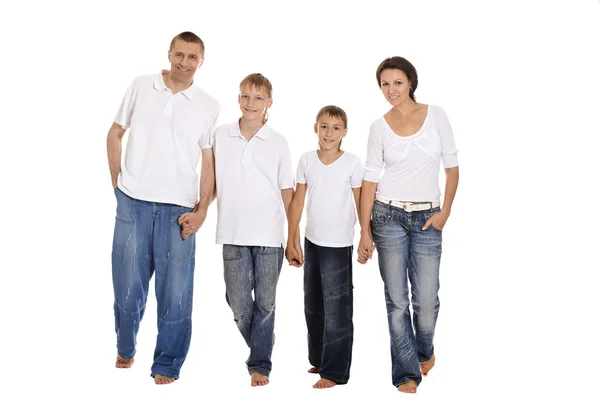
[334, 112]
[259, 81]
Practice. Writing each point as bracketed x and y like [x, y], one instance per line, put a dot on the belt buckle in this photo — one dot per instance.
[406, 206]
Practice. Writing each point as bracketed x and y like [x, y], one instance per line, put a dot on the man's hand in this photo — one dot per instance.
[191, 222]
[293, 254]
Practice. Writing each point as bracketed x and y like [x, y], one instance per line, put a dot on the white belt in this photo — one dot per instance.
[408, 206]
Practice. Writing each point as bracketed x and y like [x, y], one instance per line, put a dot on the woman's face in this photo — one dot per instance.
[395, 86]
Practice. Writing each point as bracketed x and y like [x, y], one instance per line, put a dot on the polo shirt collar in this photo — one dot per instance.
[159, 84]
[263, 133]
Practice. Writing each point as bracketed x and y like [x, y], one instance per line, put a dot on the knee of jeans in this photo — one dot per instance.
[176, 307]
[130, 300]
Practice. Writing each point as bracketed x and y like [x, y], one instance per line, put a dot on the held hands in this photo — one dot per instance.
[293, 253]
[438, 221]
[190, 223]
[366, 247]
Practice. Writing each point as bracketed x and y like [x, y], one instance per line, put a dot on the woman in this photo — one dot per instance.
[402, 217]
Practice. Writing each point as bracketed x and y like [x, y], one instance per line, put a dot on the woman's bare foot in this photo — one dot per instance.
[314, 370]
[428, 365]
[324, 383]
[162, 380]
[408, 387]
[123, 363]
[258, 379]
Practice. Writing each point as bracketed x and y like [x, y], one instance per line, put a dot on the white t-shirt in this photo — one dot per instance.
[411, 164]
[250, 176]
[330, 207]
[166, 134]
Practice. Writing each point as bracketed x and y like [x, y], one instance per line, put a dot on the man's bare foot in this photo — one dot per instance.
[258, 379]
[123, 363]
[428, 365]
[162, 380]
[314, 370]
[324, 383]
[408, 387]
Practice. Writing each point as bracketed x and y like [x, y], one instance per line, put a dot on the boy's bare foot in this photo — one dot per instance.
[258, 379]
[428, 365]
[324, 383]
[123, 363]
[408, 387]
[314, 370]
[162, 380]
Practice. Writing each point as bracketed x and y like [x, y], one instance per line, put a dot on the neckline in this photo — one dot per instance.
[418, 132]
[326, 165]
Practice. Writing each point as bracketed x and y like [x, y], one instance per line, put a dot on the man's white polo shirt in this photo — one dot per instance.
[250, 176]
[167, 133]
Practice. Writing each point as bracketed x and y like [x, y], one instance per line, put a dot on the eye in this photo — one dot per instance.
[336, 128]
[398, 83]
[384, 84]
[259, 98]
[323, 126]
[244, 96]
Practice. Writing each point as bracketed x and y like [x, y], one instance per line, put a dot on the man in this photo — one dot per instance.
[170, 122]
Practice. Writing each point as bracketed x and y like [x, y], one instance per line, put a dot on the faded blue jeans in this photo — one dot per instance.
[407, 253]
[247, 269]
[147, 240]
[328, 309]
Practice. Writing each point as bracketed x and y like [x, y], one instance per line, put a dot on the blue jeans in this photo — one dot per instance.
[147, 241]
[247, 269]
[328, 309]
[407, 253]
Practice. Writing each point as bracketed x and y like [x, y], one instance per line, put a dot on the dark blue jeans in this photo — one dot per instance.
[247, 269]
[147, 240]
[328, 309]
[407, 253]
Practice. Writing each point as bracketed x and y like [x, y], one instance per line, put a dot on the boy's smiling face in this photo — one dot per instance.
[330, 131]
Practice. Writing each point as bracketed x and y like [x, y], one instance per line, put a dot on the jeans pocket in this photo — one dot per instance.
[231, 253]
[379, 219]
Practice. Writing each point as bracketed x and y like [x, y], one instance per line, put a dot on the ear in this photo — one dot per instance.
[239, 99]
[345, 132]
[200, 61]
[316, 128]
[269, 103]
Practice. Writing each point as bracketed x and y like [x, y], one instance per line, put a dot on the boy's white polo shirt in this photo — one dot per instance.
[250, 176]
[166, 134]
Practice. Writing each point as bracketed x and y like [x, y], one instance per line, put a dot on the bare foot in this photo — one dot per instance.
[324, 383]
[258, 379]
[162, 380]
[123, 363]
[408, 387]
[314, 370]
[428, 365]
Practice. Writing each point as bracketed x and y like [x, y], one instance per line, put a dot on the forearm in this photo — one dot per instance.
[294, 215]
[367, 199]
[207, 181]
[113, 149]
[207, 190]
[450, 189]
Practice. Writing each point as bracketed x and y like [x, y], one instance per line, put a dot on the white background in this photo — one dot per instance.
[519, 81]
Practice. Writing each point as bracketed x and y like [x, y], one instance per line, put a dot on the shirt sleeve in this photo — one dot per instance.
[208, 136]
[449, 152]
[127, 107]
[357, 175]
[286, 174]
[374, 160]
[301, 170]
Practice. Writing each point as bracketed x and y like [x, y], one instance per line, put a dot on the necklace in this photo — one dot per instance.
[405, 118]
